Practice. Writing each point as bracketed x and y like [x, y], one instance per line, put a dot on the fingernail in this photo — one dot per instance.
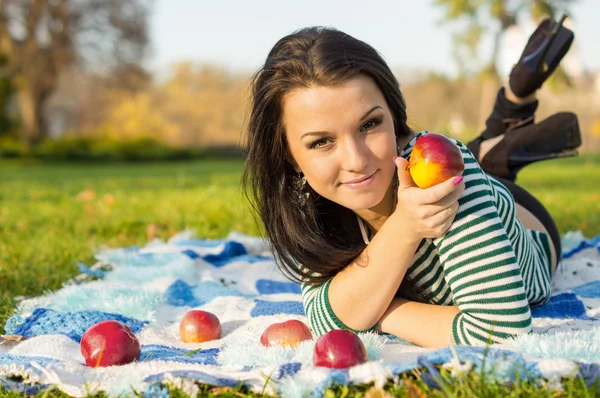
[394, 159]
[457, 180]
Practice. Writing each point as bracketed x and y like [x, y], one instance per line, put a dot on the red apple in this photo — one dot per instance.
[338, 349]
[109, 343]
[289, 333]
[434, 159]
[197, 326]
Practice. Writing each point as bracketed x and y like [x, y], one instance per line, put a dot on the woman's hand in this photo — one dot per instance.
[425, 213]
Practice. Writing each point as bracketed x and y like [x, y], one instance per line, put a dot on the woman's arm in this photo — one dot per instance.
[480, 266]
[426, 325]
[358, 296]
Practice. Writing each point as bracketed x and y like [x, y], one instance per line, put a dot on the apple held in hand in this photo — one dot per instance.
[109, 343]
[339, 349]
[434, 159]
[289, 333]
[198, 326]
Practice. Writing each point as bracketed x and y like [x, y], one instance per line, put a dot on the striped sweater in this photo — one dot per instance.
[487, 264]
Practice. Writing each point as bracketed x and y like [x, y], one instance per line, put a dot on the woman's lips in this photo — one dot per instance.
[361, 183]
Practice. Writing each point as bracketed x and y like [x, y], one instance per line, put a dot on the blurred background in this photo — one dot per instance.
[165, 79]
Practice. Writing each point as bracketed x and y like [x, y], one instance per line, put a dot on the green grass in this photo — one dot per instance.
[47, 225]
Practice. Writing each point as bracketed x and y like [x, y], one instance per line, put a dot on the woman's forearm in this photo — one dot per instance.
[360, 294]
[426, 325]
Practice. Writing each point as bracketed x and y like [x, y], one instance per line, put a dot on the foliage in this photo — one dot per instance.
[193, 105]
[136, 117]
[207, 103]
[86, 148]
[12, 148]
[41, 39]
[93, 149]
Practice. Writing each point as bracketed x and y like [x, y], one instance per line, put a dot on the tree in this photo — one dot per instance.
[6, 91]
[42, 38]
[495, 17]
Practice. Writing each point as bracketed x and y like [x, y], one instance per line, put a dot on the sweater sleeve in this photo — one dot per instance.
[318, 311]
[481, 268]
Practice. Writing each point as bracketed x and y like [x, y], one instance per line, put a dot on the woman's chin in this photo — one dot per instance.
[362, 204]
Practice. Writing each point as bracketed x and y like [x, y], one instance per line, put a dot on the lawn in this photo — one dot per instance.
[54, 215]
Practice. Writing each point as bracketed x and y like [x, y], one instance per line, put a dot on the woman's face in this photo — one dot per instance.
[342, 139]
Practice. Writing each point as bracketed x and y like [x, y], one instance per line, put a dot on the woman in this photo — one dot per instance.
[326, 171]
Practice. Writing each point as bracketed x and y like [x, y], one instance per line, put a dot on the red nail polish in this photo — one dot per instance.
[457, 180]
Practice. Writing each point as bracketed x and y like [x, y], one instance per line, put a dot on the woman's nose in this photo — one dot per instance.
[354, 156]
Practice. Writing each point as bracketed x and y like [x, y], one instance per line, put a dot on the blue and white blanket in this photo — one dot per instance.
[150, 288]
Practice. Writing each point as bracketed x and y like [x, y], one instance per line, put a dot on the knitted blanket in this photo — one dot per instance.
[150, 288]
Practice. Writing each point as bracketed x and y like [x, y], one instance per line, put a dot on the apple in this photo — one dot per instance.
[338, 349]
[434, 159]
[109, 343]
[197, 326]
[290, 333]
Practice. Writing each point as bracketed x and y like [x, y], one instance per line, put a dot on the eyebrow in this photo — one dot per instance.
[325, 132]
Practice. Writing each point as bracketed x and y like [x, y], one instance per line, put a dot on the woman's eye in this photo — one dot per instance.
[318, 143]
[371, 124]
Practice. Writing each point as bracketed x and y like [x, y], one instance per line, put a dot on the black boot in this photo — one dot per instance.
[545, 49]
[498, 122]
[554, 137]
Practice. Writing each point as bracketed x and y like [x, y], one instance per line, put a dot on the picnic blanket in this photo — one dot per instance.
[150, 288]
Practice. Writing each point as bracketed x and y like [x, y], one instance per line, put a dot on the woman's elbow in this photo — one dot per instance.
[516, 329]
[495, 330]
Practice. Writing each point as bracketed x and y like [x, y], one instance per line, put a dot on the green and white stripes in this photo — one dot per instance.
[487, 264]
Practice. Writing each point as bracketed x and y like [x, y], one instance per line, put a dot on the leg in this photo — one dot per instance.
[526, 142]
[512, 139]
[508, 111]
[534, 216]
[530, 221]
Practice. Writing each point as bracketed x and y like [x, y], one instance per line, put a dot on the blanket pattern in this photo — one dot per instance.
[150, 288]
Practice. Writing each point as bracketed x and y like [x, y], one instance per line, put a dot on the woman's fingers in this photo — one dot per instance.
[404, 178]
[447, 201]
[444, 203]
[437, 192]
[444, 219]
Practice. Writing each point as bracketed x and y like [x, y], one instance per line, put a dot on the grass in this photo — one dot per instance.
[53, 215]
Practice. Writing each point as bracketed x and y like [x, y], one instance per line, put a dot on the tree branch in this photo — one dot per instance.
[34, 15]
[7, 44]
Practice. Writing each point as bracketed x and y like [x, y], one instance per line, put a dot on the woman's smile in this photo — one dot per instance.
[361, 183]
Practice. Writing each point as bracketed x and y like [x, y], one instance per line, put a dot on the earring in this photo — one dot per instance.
[302, 193]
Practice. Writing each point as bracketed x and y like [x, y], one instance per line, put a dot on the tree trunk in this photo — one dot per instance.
[490, 82]
[31, 108]
[489, 90]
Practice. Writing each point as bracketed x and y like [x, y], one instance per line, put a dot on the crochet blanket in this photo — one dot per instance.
[150, 288]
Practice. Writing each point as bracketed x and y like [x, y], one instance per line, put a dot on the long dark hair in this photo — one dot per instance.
[311, 242]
